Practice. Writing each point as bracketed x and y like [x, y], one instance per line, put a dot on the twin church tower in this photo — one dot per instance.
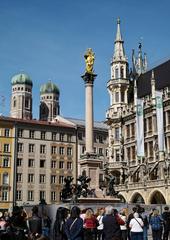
[21, 99]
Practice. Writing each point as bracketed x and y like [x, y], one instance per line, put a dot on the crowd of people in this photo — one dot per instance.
[109, 224]
[85, 224]
[20, 226]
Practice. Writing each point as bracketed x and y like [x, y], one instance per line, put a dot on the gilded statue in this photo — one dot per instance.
[89, 59]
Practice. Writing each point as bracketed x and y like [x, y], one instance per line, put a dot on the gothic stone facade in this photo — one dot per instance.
[139, 180]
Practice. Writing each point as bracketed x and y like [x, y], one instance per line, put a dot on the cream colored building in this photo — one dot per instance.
[41, 153]
[143, 180]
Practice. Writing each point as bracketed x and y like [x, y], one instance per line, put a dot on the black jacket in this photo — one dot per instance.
[35, 224]
[111, 227]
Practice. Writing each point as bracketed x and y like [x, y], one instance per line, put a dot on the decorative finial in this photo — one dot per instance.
[89, 60]
[118, 20]
[153, 75]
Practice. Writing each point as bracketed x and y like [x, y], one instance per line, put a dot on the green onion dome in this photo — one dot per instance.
[49, 88]
[21, 78]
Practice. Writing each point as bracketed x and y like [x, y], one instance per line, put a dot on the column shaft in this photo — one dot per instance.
[89, 117]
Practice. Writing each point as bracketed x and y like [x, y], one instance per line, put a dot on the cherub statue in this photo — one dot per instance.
[89, 59]
[66, 192]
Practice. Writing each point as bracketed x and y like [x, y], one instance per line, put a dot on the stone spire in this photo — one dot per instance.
[119, 53]
[153, 87]
[141, 62]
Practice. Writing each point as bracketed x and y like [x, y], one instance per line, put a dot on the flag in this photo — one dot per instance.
[140, 128]
[160, 123]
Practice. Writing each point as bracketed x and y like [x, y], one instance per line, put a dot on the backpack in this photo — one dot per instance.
[155, 223]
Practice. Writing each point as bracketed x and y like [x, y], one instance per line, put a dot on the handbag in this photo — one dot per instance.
[138, 223]
[73, 223]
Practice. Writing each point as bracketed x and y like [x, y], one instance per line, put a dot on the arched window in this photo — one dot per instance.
[116, 96]
[14, 102]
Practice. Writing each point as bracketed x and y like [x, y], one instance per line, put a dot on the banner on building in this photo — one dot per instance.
[160, 124]
[140, 128]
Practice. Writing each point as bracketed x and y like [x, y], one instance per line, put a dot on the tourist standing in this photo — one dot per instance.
[74, 225]
[100, 224]
[111, 227]
[134, 209]
[145, 219]
[156, 225]
[90, 225]
[59, 224]
[136, 227]
[166, 223]
[35, 223]
[124, 226]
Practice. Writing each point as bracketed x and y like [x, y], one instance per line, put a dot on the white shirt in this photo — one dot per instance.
[124, 218]
[135, 226]
[99, 218]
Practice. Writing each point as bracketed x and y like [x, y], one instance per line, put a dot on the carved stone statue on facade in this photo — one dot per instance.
[156, 149]
[166, 167]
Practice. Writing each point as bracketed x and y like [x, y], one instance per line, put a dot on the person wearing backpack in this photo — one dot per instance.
[166, 223]
[156, 225]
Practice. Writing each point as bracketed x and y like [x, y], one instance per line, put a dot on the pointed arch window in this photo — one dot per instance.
[116, 72]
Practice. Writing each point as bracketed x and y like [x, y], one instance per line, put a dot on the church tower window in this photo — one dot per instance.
[122, 72]
[116, 96]
[116, 72]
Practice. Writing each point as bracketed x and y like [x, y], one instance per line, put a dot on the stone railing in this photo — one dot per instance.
[140, 185]
[117, 164]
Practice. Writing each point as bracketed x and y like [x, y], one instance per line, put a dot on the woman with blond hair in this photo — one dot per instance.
[100, 224]
[156, 225]
[90, 225]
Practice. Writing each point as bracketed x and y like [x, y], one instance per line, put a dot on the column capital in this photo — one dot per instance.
[89, 78]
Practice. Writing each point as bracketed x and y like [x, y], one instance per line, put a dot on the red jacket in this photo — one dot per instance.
[90, 222]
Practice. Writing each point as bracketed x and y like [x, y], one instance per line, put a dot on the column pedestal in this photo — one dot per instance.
[90, 165]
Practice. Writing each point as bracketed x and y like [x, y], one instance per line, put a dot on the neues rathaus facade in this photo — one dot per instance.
[147, 179]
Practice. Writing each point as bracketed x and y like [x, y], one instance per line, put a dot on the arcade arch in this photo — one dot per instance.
[157, 198]
[137, 198]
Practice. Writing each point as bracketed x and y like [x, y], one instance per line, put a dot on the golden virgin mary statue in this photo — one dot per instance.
[89, 60]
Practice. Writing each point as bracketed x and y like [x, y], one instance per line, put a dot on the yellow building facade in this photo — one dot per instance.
[7, 143]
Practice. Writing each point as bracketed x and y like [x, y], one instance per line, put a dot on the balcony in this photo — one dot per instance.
[116, 165]
[140, 185]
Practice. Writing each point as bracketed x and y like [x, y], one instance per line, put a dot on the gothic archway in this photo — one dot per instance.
[157, 198]
[122, 199]
[137, 198]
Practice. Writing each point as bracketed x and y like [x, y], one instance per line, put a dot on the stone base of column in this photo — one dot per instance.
[90, 165]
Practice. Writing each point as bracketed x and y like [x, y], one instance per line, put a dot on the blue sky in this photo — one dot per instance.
[47, 39]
